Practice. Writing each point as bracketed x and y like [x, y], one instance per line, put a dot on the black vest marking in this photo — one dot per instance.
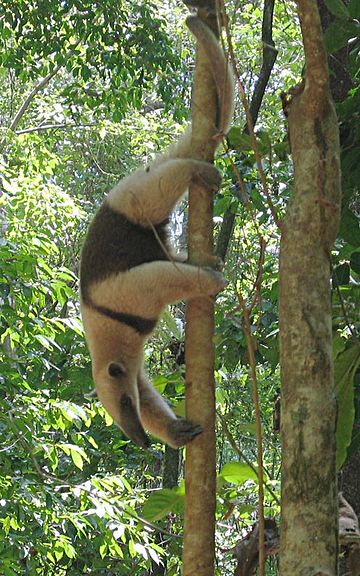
[141, 325]
[115, 244]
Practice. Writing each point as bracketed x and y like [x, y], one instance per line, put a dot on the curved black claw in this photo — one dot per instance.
[182, 431]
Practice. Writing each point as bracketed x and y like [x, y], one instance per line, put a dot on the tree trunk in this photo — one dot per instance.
[200, 466]
[309, 489]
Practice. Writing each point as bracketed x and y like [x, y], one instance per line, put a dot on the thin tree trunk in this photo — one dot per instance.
[309, 489]
[200, 467]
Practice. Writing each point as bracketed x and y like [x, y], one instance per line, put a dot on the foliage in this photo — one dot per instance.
[108, 58]
[75, 496]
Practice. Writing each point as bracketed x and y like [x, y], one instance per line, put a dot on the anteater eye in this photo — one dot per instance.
[116, 369]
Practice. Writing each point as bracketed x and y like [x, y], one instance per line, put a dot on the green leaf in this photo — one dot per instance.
[103, 549]
[77, 459]
[354, 9]
[239, 140]
[162, 502]
[171, 324]
[8, 571]
[345, 367]
[341, 275]
[355, 262]
[78, 455]
[69, 550]
[249, 427]
[338, 34]
[238, 473]
[349, 228]
[337, 8]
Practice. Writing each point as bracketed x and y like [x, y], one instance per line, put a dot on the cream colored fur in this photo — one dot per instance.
[146, 197]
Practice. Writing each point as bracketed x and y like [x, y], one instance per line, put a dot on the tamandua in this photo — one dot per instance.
[128, 275]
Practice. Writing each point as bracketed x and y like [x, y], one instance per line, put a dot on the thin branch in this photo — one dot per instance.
[30, 97]
[46, 476]
[243, 456]
[200, 468]
[250, 125]
[255, 391]
[45, 127]
[269, 55]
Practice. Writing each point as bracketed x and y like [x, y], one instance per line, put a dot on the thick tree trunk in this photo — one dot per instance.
[309, 490]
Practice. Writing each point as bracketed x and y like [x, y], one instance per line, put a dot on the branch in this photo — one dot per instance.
[44, 127]
[269, 55]
[73, 485]
[29, 98]
[243, 456]
[252, 135]
[255, 395]
[200, 469]
[247, 550]
[25, 105]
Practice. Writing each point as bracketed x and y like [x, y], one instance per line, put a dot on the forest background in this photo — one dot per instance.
[90, 90]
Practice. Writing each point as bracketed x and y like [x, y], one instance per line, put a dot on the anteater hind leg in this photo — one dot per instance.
[159, 419]
[148, 196]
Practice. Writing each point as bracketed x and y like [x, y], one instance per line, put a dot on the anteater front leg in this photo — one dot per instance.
[159, 419]
[146, 289]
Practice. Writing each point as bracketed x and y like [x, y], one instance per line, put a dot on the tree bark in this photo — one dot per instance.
[309, 488]
[200, 466]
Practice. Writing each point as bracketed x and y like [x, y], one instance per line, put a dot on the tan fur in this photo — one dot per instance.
[128, 276]
[151, 195]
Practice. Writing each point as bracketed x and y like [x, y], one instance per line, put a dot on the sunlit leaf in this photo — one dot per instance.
[162, 502]
[238, 473]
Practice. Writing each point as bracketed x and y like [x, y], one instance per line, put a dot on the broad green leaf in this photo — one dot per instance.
[354, 9]
[103, 549]
[69, 549]
[337, 8]
[171, 324]
[131, 547]
[239, 140]
[341, 275]
[339, 33]
[8, 571]
[350, 228]
[78, 455]
[345, 367]
[355, 262]
[249, 427]
[162, 502]
[238, 473]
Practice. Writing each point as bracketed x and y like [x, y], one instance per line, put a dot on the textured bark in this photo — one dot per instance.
[200, 467]
[309, 490]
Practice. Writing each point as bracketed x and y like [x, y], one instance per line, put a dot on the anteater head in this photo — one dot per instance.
[117, 390]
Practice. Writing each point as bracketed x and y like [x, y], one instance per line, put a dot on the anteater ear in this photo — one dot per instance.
[116, 369]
